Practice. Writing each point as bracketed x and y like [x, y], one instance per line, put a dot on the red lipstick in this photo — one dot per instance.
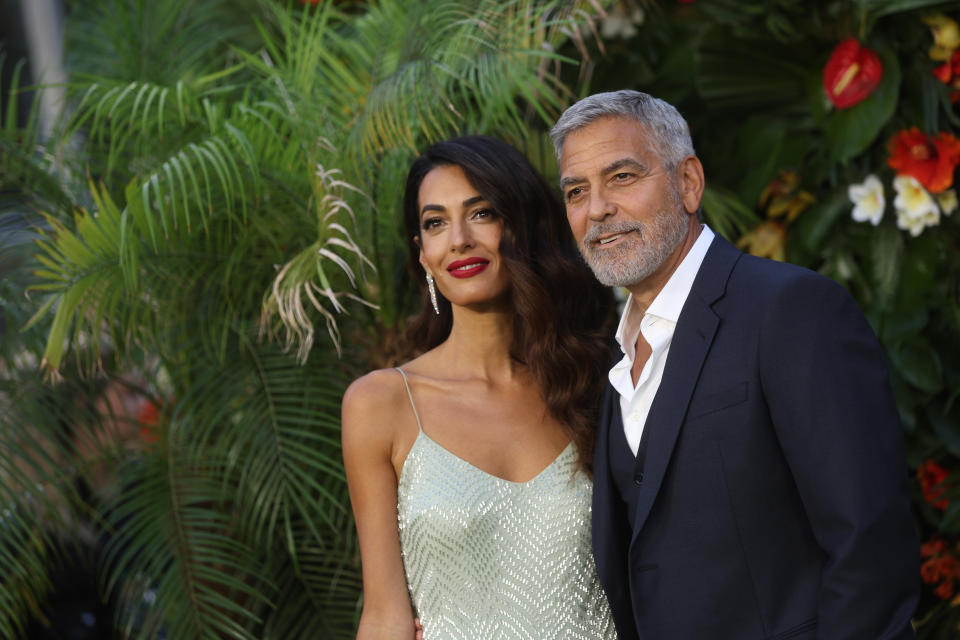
[467, 268]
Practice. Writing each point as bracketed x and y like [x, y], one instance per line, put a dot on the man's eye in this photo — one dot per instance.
[574, 193]
[622, 176]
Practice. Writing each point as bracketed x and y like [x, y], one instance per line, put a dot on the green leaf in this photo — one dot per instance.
[918, 278]
[811, 229]
[900, 323]
[850, 131]
[878, 8]
[950, 524]
[946, 426]
[726, 214]
[885, 254]
[919, 364]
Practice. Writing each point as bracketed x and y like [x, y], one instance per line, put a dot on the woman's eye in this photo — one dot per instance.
[431, 223]
[485, 213]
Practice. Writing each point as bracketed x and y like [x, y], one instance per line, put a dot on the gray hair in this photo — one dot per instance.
[660, 119]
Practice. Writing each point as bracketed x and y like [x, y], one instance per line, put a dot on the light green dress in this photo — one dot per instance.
[487, 558]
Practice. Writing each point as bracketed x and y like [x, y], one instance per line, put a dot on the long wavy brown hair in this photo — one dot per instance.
[561, 311]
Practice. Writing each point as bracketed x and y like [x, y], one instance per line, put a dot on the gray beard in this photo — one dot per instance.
[639, 255]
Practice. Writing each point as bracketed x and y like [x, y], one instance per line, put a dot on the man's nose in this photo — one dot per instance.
[600, 206]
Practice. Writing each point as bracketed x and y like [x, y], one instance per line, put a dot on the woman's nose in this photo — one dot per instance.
[461, 237]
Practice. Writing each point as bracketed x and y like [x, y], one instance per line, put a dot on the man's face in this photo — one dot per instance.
[624, 207]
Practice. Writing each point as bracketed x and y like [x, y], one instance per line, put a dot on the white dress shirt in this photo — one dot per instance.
[657, 326]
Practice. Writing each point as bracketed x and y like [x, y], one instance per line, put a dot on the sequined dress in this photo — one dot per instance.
[487, 558]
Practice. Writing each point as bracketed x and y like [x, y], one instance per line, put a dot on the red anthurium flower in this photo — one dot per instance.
[930, 160]
[852, 73]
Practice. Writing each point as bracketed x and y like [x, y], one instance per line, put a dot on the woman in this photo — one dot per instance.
[467, 466]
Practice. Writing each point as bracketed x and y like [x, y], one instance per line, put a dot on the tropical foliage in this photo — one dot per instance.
[200, 259]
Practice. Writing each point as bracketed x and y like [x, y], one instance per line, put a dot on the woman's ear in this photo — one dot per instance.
[416, 241]
[690, 182]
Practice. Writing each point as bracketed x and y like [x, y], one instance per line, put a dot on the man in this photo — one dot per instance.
[749, 476]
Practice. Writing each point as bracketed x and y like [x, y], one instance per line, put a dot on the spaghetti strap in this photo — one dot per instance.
[410, 395]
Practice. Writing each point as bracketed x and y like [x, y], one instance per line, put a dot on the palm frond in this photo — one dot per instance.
[264, 432]
[174, 556]
[404, 73]
[726, 213]
[139, 40]
[256, 185]
[282, 435]
[54, 443]
[303, 282]
[28, 176]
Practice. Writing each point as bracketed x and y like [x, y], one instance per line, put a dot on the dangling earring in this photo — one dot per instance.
[432, 289]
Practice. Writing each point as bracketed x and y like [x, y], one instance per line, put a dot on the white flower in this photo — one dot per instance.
[619, 24]
[916, 208]
[947, 201]
[868, 200]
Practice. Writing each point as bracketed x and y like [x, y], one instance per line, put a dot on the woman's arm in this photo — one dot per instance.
[368, 414]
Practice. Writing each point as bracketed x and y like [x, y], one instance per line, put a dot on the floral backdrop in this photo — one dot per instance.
[205, 252]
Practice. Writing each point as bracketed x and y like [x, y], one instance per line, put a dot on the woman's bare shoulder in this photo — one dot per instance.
[373, 394]
[380, 394]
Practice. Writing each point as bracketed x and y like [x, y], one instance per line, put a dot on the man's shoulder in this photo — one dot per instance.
[758, 275]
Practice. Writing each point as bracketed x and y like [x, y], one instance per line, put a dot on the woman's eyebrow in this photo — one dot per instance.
[432, 207]
[439, 207]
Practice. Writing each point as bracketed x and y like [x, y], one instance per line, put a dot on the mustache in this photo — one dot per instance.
[611, 228]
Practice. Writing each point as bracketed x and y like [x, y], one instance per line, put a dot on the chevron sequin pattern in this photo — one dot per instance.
[490, 558]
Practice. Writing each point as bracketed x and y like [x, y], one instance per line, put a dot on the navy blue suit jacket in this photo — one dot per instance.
[773, 501]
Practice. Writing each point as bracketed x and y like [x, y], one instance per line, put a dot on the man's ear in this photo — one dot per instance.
[690, 182]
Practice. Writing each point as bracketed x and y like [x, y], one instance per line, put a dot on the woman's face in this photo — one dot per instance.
[460, 239]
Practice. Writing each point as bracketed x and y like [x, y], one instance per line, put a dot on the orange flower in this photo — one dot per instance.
[149, 418]
[931, 476]
[944, 590]
[147, 414]
[947, 565]
[932, 548]
[949, 72]
[930, 571]
[930, 160]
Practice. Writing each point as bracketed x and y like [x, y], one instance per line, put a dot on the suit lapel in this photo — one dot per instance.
[691, 342]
